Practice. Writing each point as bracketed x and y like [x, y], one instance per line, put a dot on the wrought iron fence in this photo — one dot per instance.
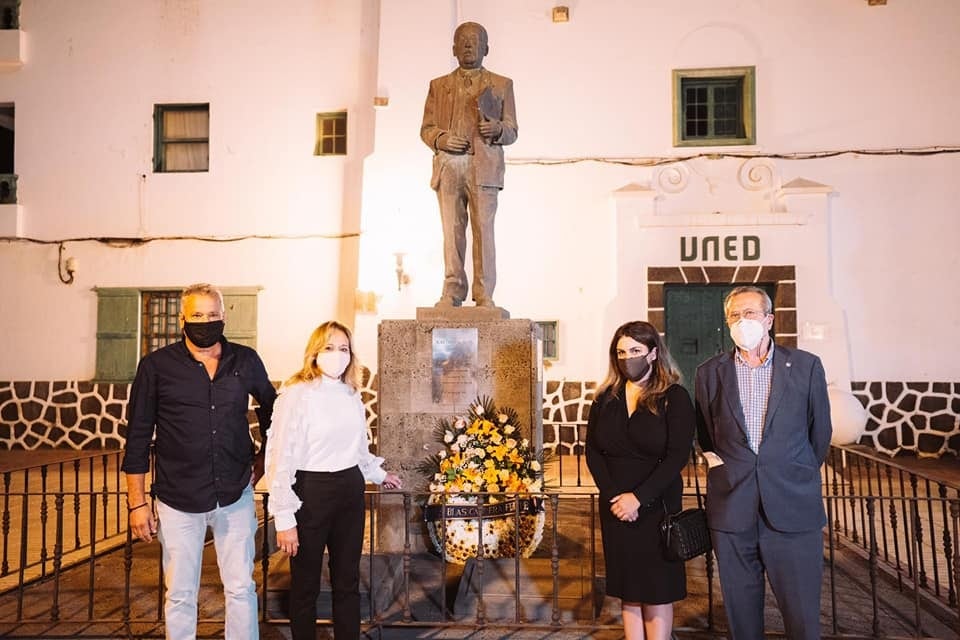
[85, 494]
[910, 515]
[884, 574]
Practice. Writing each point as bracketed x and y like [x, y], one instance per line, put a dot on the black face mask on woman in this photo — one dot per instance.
[204, 334]
[633, 369]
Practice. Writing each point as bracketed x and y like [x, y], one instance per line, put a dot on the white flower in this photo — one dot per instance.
[455, 447]
[462, 440]
[535, 485]
[447, 437]
[511, 443]
[525, 443]
[460, 423]
[481, 453]
[535, 465]
[443, 454]
[478, 409]
[502, 418]
[509, 429]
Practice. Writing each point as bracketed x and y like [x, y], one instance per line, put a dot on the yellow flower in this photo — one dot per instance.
[515, 485]
[481, 452]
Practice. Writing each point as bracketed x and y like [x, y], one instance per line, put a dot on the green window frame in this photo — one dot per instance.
[714, 107]
[331, 134]
[550, 332]
[181, 138]
[124, 313]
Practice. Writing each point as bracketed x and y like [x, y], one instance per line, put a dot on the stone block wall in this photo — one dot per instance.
[904, 417]
[918, 417]
[71, 414]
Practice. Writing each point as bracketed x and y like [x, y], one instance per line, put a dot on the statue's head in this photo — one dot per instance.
[470, 45]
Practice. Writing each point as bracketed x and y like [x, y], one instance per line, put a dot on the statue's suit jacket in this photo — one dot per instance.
[438, 116]
[784, 477]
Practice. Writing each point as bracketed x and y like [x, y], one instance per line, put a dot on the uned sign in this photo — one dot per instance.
[708, 248]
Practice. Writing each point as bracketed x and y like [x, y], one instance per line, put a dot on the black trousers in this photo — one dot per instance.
[330, 518]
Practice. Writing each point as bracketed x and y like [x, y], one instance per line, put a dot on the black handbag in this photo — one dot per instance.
[686, 534]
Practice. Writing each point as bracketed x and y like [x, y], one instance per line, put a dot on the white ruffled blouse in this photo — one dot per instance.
[318, 425]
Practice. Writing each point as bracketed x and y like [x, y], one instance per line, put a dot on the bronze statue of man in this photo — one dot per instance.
[468, 117]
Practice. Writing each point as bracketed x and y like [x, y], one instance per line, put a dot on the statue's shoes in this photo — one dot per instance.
[447, 302]
[486, 302]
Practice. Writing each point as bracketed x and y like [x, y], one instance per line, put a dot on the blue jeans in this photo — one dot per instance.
[181, 535]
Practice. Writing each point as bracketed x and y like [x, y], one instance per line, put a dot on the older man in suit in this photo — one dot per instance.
[763, 422]
[468, 116]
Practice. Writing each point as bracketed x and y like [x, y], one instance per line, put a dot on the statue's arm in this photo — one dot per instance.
[508, 122]
[430, 131]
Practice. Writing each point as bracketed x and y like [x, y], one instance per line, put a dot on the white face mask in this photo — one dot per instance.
[747, 334]
[333, 363]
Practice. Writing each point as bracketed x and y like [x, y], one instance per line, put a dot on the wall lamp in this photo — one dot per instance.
[402, 276]
[70, 266]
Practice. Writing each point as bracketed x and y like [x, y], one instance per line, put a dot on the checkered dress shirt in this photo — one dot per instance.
[754, 386]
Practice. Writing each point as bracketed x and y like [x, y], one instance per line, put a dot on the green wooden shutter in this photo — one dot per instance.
[240, 315]
[118, 315]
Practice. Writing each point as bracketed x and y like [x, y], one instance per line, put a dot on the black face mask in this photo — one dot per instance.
[633, 369]
[204, 334]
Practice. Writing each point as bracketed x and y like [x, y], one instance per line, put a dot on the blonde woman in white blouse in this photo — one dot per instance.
[318, 461]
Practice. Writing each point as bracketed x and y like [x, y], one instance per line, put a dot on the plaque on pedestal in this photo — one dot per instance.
[454, 366]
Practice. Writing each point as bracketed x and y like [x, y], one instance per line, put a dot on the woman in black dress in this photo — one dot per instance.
[639, 438]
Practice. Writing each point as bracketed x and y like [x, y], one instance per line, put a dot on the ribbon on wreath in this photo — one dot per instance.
[526, 506]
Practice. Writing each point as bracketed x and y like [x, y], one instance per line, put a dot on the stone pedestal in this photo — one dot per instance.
[507, 368]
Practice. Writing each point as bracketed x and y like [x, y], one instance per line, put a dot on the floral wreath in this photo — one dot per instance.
[483, 454]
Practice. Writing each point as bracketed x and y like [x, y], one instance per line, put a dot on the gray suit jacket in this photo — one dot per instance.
[784, 477]
[438, 117]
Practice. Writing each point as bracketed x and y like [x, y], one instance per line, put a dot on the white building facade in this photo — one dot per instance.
[843, 202]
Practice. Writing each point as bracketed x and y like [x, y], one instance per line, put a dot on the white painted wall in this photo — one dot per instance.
[831, 75]
[84, 143]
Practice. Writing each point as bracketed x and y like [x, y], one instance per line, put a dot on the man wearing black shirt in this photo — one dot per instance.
[194, 396]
